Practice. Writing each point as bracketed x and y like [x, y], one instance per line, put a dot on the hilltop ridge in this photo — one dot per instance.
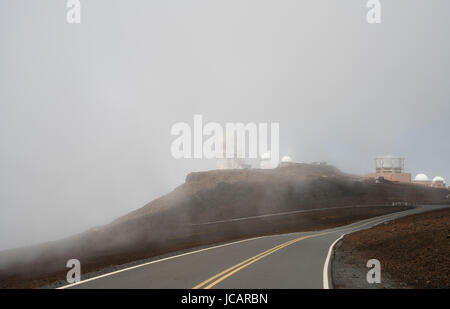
[302, 196]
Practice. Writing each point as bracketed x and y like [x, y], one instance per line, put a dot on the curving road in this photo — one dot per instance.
[295, 260]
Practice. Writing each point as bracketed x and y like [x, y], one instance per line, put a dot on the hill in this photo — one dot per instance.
[185, 217]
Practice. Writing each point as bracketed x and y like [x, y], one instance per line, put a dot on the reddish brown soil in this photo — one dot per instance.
[413, 251]
[170, 223]
[195, 236]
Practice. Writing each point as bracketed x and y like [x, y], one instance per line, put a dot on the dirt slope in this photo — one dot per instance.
[167, 223]
[414, 252]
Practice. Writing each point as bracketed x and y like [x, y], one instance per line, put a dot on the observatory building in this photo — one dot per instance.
[266, 162]
[227, 159]
[438, 182]
[391, 168]
[422, 179]
[285, 161]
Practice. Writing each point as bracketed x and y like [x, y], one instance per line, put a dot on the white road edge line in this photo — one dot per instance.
[326, 284]
[374, 221]
[156, 261]
[325, 278]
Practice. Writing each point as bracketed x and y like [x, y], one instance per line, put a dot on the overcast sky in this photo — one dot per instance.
[86, 110]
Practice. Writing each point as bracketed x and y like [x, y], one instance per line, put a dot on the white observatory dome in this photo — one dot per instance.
[438, 179]
[421, 177]
[266, 162]
[286, 159]
[265, 156]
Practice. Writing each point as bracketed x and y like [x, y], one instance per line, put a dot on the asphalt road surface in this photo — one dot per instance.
[295, 260]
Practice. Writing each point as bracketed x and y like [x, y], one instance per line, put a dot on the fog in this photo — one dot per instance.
[86, 109]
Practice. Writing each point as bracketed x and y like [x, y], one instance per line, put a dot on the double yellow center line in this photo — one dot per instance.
[207, 284]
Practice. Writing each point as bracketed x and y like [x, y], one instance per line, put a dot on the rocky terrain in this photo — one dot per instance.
[177, 220]
[414, 252]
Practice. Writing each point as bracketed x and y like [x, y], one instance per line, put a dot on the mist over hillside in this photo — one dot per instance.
[86, 109]
[186, 217]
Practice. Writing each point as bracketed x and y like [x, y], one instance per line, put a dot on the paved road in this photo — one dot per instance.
[294, 260]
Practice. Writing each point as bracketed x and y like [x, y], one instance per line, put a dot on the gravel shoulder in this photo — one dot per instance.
[202, 236]
[414, 252]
